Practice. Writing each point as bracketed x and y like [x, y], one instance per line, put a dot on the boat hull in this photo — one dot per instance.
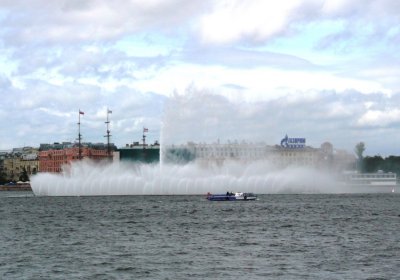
[231, 197]
[221, 197]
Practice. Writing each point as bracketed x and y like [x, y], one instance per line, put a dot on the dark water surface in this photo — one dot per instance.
[187, 237]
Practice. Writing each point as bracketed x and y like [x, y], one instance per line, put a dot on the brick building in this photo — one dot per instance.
[52, 157]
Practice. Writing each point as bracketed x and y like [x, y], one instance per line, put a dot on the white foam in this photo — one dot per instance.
[86, 178]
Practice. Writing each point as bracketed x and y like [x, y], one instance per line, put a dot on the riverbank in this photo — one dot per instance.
[17, 187]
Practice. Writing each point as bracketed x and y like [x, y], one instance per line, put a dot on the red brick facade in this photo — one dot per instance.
[53, 160]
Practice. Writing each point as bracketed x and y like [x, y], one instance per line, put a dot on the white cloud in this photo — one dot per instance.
[56, 113]
[338, 110]
[260, 83]
[202, 116]
[318, 68]
[375, 118]
[222, 21]
[258, 21]
[233, 20]
[54, 22]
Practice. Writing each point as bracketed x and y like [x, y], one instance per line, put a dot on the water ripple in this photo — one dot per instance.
[181, 237]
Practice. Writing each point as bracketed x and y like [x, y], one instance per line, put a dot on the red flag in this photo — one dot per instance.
[145, 129]
[80, 112]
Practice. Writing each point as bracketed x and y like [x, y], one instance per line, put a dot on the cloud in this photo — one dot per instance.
[256, 21]
[5, 82]
[49, 113]
[243, 58]
[320, 69]
[42, 22]
[56, 113]
[234, 86]
[218, 22]
[55, 64]
[202, 116]
[376, 118]
[342, 118]
[97, 60]
[259, 21]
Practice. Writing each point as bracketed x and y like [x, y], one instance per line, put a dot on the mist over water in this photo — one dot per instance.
[86, 178]
[200, 117]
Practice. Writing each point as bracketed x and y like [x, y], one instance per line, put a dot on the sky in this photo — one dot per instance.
[201, 71]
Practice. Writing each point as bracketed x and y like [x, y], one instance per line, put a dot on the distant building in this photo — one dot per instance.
[137, 152]
[305, 156]
[216, 152]
[291, 152]
[52, 157]
[18, 162]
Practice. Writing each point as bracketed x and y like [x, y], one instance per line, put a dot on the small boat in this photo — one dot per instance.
[229, 196]
[245, 196]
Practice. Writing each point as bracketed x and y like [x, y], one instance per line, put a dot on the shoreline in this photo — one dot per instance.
[21, 187]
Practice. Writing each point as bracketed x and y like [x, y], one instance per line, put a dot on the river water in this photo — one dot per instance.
[307, 236]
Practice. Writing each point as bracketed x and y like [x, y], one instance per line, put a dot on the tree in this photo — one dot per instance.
[359, 150]
[373, 164]
[392, 164]
[24, 175]
[3, 177]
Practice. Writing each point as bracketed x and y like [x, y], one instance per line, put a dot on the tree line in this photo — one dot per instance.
[370, 164]
[23, 176]
[375, 163]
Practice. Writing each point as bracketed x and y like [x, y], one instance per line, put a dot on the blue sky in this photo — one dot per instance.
[202, 71]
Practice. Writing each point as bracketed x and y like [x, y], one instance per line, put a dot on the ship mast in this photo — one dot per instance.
[108, 134]
[144, 137]
[144, 144]
[79, 135]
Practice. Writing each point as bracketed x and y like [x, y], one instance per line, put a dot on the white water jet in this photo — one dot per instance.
[89, 179]
[190, 117]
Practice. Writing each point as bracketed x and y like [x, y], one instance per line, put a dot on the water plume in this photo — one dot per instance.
[86, 178]
[198, 117]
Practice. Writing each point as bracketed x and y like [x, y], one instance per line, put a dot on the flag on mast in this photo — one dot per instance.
[81, 113]
[109, 111]
[145, 129]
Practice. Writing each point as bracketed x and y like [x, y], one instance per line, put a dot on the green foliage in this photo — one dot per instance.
[179, 155]
[3, 178]
[359, 150]
[392, 164]
[375, 163]
[24, 175]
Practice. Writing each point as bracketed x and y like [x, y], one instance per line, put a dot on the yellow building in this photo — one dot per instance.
[18, 160]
